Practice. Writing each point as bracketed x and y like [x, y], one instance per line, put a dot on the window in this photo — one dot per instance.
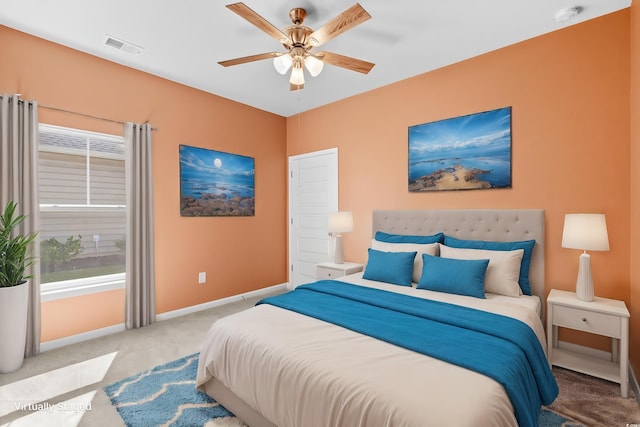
[82, 212]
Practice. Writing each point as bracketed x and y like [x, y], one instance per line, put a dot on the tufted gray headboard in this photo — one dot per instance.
[478, 224]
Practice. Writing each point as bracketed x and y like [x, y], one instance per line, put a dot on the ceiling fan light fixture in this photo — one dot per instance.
[313, 65]
[298, 40]
[282, 63]
[297, 76]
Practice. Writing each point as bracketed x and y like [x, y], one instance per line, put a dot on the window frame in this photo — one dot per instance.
[88, 285]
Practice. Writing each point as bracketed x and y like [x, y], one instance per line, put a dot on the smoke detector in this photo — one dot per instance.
[567, 13]
[123, 45]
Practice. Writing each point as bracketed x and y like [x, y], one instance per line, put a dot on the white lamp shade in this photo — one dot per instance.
[340, 222]
[297, 76]
[585, 231]
[313, 65]
[282, 63]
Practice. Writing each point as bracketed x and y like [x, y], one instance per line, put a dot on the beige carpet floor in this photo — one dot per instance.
[590, 401]
[137, 350]
[593, 402]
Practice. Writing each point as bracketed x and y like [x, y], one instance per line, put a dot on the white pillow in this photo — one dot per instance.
[503, 271]
[420, 248]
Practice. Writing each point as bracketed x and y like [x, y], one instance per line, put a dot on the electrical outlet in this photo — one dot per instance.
[202, 277]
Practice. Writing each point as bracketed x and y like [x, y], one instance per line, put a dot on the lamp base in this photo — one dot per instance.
[339, 255]
[584, 284]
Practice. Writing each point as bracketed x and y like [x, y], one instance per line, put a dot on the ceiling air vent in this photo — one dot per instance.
[123, 45]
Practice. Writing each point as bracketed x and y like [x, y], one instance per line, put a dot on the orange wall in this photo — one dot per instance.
[570, 96]
[635, 186]
[569, 92]
[223, 247]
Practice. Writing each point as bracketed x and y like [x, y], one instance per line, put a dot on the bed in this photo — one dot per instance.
[281, 363]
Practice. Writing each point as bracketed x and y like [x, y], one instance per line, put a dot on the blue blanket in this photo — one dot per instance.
[499, 347]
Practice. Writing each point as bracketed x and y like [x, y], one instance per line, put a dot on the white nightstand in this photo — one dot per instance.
[601, 316]
[331, 270]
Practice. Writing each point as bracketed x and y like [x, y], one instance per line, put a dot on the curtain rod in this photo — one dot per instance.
[80, 114]
[88, 115]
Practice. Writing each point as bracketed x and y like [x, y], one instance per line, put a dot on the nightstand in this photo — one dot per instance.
[601, 316]
[331, 270]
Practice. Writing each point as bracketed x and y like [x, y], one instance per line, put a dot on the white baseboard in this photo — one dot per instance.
[97, 333]
[234, 298]
[84, 336]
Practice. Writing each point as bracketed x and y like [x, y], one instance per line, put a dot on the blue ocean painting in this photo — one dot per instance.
[461, 153]
[215, 183]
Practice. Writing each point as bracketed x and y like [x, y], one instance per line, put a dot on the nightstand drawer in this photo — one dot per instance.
[331, 270]
[588, 321]
[328, 273]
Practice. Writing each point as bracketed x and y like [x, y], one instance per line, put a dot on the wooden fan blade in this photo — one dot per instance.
[347, 62]
[348, 19]
[250, 15]
[251, 58]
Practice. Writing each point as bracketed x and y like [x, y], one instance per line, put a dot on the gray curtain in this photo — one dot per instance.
[140, 284]
[19, 182]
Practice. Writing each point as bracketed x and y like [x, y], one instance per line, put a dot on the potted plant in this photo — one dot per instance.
[14, 288]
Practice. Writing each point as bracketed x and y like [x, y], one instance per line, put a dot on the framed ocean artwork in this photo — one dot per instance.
[461, 153]
[214, 183]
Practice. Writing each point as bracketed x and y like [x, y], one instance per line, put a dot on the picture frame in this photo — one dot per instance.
[461, 153]
[215, 183]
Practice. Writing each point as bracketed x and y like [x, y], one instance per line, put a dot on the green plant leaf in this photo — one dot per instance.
[14, 259]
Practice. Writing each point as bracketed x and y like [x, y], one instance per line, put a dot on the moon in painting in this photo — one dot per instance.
[217, 163]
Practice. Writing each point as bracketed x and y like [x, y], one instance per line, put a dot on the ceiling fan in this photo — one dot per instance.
[299, 41]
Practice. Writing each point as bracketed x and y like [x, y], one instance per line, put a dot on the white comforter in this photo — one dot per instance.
[301, 372]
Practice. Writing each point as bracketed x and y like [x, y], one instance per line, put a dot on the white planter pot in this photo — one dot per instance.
[13, 326]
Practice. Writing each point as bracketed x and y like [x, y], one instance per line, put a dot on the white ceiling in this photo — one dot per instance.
[184, 39]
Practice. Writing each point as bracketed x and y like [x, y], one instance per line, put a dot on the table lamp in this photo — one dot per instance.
[340, 222]
[587, 232]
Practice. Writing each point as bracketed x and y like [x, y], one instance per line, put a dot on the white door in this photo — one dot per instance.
[313, 194]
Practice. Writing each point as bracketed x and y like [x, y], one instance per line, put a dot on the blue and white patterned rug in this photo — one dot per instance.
[167, 396]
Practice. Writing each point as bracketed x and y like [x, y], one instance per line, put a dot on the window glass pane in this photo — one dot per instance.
[63, 178]
[81, 244]
[107, 182]
[63, 140]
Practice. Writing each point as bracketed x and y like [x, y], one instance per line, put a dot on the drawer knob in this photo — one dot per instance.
[584, 319]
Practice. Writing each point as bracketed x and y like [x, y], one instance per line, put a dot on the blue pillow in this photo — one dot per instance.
[525, 265]
[390, 267]
[454, 276]
[381, 236]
